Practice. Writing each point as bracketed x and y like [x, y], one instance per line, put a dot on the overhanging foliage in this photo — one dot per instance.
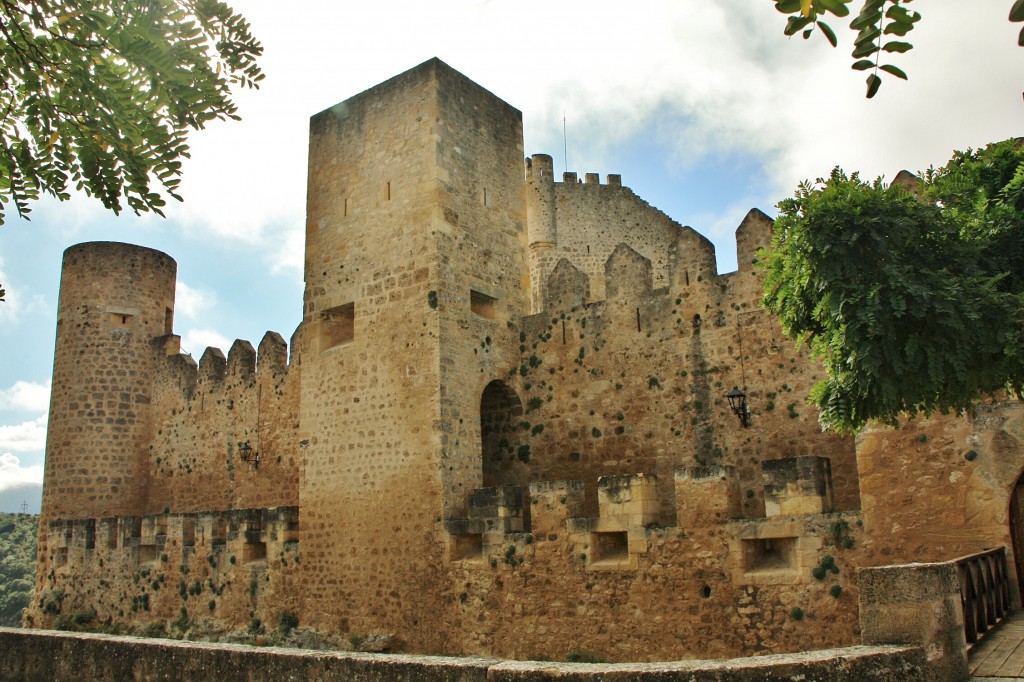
[881, 26]
[101, 94]
[913, 301]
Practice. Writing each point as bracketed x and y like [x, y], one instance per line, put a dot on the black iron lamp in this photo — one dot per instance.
[247, 454]
[738, 405]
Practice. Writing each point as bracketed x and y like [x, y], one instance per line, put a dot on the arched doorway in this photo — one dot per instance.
[1017, 532]
[505, 454]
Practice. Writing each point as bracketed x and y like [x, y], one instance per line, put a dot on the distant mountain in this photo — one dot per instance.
[12, 497]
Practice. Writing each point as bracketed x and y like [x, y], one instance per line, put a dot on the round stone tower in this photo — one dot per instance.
[116, 306]
[540, 201]
[541, 224]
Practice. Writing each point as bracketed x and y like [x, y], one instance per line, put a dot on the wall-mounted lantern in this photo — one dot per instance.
[247, 454]
[738, 405]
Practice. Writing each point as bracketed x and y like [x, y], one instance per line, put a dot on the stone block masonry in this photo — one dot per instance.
[500, 429]
[63, 657]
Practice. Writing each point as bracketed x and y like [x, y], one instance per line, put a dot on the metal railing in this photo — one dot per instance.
[984, 591]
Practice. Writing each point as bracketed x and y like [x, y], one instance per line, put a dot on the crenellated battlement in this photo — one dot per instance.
[142, 540]
[243, 364]
[629, 528]
[585, 222]
[225, 429]
[540, 168]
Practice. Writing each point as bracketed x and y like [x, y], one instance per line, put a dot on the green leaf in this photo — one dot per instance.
[864, 49]
[897, 29]
[795, 24]
[836, 7]
[894, 70]
[829, 33]
[902, 15]
[867, 17]
[1017, 11]
[788, 6]
[897, 46]
[863, 64]
[874, 82]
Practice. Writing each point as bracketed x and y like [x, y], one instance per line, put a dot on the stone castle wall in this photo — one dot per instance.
[637, 382]
[944, 486]
[205, 417]
[503, 428]
[585, 222]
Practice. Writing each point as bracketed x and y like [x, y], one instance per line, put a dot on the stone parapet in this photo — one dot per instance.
[797, 485]
[916, 604]
[35, 656]
[706, 495]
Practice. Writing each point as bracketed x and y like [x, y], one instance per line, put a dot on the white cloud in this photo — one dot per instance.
[196, 341]
[26, 395]
[12, 473]
[28, 436]
[17, 302]
[191, 302]
[700, 77]
[290, 257]
[723, 70]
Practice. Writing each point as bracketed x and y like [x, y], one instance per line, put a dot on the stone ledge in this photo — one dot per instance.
[37, 655]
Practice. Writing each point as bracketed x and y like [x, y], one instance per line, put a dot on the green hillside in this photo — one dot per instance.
[17, 564]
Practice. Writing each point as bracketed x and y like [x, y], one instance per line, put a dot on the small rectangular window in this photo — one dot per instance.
[482, 305]
[188, 532]
[112, 533]
[147, 554]
[468, 547]
[611, 547]
[769, 554]
[218, 532]
[254, 551]
[337, 326]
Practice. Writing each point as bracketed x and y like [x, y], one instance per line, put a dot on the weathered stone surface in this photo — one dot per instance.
[919, 604]
[62, 657]
[469, 324]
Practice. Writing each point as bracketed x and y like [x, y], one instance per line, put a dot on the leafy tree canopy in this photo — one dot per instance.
[17, 565]
[914, 301]
[881, 26]
[101, 94]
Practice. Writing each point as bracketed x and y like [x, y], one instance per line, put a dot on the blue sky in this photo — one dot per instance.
[705, 109]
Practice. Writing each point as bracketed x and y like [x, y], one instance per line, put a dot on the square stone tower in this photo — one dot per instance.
[415, 279]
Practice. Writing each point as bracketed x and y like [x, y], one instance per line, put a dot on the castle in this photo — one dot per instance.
[502, 427]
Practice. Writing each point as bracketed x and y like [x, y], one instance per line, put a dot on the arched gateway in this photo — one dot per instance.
[504, 456]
